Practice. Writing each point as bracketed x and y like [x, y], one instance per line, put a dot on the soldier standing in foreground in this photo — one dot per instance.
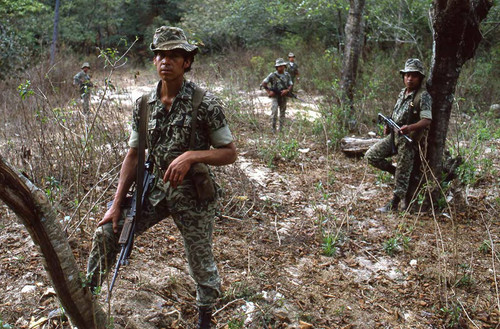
[277, 85]
[173, 192]
[82, 80]
[413, 114]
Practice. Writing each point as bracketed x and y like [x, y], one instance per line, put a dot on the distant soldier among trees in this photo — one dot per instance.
[413, 114]
[82, 80]
[292, 68]
[277, 85]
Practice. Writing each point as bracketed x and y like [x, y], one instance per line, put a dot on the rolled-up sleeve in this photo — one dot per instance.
[221, 137]
[133, 141]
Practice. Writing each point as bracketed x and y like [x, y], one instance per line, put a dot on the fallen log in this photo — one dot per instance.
[356, 146]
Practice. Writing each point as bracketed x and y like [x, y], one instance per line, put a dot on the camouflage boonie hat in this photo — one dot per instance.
[86, 64]
[280, 62]
[169, 38]
[413, 65]
[291, 55]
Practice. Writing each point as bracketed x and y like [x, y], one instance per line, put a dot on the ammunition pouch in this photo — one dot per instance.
[203, 182]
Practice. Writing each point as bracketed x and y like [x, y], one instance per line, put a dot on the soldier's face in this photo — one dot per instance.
[170, 64]
[280, 69]
[291, 59]
[412, 80]
[85, 69]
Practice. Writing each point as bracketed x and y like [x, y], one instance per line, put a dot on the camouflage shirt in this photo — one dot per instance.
[292, 68]
[82, 79]
[169, 135]
[278, 81]
[401, 112]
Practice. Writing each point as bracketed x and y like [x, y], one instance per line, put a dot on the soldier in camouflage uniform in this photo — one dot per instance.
[278, 84]
[292, 68]
[413, 113]
[173, 193]
[82, 80]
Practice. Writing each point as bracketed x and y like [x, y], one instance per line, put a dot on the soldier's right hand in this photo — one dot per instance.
[271, 93]
[386, 130]
[112, 215]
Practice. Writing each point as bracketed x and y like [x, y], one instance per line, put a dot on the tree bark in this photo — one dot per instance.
[352, 51]
[33, 208]
[456, 37]
[54, 33]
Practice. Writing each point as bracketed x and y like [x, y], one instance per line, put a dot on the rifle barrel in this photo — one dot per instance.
[391, 123]
[117, 268]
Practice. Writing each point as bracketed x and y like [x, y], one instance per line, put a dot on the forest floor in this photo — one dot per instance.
[298, 244]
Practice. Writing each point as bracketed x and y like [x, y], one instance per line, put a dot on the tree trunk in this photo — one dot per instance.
[456, 37]
[35, 212]
[352, 50]
[54, 34]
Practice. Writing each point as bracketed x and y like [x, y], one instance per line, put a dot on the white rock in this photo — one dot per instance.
[28, 289]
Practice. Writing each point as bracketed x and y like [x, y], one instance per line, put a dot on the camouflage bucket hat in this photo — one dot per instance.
[280, 62]
[169, 38]
[291, 55]
[413, 65]
[86, 64]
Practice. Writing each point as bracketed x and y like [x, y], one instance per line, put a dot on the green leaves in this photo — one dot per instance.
[25, 90]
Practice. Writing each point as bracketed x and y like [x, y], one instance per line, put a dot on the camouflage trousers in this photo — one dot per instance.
[85, 96]
[278, 102]
[196, 228]
[378, 156]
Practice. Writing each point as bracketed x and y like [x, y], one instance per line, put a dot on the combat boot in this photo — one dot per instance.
[205, 317]
[391, 206]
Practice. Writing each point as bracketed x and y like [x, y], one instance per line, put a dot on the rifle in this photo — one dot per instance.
[393, 126]
[126, 240]
[277, 92]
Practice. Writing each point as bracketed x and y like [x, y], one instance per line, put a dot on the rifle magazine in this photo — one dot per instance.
[127, 228]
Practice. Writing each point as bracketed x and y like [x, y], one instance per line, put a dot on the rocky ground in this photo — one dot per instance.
[299, 245]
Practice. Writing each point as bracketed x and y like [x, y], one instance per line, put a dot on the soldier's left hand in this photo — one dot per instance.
[405, 130]
[284, 92]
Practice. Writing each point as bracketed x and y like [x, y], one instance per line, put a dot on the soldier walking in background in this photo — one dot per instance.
[413, 114]
[174, 148]
[82, 80]
[293, 68]
[277, 85]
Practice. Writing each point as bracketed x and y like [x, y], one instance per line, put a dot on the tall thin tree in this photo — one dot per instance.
[54, 33]
[353, 44]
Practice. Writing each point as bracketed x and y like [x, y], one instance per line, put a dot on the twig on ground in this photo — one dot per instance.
[229, 217]
[467, 314]
[228, 304]
[276, 229]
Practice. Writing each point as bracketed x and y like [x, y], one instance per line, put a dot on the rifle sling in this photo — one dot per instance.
[414, 114]
[197, 99]
[141, 156]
